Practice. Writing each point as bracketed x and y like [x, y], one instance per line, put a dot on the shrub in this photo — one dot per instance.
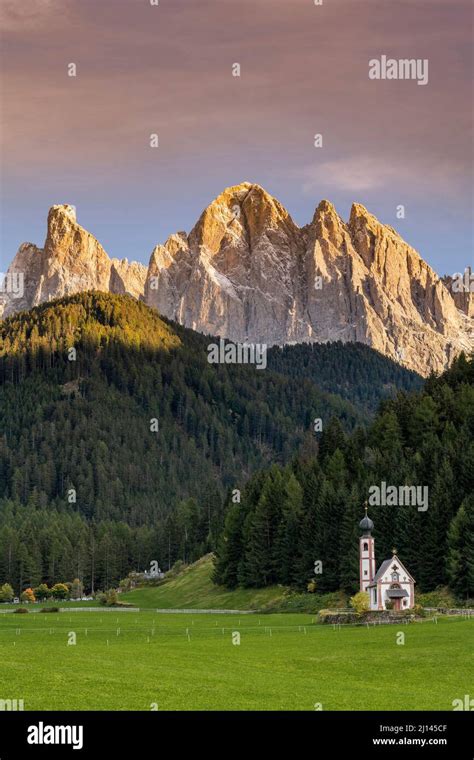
[6, 593]
[126, 584]
[49, 609]
[77, 589]
[42, 592]
[178, 566]
[20, 610]
[60, 591]
[109, 599]
[360, 602]
[440, 597]
[27, 595]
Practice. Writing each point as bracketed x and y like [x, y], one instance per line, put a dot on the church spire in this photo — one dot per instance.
[366, 552]
[366, 523]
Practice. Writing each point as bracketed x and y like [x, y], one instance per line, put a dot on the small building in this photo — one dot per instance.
[391, 583]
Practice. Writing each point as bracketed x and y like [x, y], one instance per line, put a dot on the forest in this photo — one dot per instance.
[289, 517]
[120, 444]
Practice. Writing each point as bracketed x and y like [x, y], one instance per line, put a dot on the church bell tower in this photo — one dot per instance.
[366, 552]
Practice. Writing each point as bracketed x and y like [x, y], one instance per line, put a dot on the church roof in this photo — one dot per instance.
[396, 593]
[366, 524]
[383, 567]
[386, 564]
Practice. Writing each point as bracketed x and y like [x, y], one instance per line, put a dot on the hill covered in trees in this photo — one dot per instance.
[352, 370]
[291, 516]
[118, 440]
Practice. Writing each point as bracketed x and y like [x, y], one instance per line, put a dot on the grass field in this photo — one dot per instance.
[130, 660]
[193, 588]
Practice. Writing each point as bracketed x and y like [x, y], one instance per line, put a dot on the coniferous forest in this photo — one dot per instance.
[290, 517]
[120, 444]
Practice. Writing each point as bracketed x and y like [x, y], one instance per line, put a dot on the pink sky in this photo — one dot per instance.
[168, 70]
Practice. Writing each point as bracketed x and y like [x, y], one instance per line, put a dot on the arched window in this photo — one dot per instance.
[366, 546]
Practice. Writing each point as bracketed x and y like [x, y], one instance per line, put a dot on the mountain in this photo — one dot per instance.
[462, 289]
[81, 469]
[247, 272]
[71, 261]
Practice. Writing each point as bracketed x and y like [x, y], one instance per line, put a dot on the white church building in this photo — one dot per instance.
[391, 582]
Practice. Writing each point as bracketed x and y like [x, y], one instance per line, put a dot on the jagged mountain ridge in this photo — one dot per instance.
[247, 272]
[71, 261]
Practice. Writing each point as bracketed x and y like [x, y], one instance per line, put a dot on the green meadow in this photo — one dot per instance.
[147, 660]
[193, 588]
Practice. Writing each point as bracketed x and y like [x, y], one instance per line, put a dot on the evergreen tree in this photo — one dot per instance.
[460, 559]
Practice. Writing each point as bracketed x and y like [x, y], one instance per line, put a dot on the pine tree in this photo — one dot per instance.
[289, 532]
[262, 551]
[460, 559]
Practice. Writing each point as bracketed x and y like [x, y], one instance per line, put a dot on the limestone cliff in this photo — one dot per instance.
[249, 273]
[71, 261]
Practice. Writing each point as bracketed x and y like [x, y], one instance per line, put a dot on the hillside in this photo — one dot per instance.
[119, 440]
[351, 370]
[289, 516]
[193, 588]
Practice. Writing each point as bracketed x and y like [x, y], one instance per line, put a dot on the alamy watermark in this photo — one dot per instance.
[404, 68]
[467, 703]
[237, 353]
[46, 734]
[399, 496]
[463, 282]
[12, 283]
[11, 705]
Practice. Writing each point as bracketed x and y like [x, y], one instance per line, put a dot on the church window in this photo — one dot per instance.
[366, 547]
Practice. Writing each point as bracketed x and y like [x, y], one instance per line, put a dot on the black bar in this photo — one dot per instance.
[311, 734]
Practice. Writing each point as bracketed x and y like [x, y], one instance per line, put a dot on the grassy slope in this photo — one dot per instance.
[194, 589]
[128, 660]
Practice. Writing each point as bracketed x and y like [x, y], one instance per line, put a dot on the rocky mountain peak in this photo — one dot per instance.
[249, 273]
[71, 261]
[62, 211]
[327, 224]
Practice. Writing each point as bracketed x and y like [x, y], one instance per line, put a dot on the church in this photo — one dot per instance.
[391, 583]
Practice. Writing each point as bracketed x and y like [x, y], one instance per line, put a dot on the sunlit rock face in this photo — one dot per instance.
[71, 261]
[249, 273]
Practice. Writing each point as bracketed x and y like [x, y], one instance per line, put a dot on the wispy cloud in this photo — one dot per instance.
[365, 173]
[23, 16]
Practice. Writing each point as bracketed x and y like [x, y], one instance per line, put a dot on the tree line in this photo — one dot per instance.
[289, 517]
[88, 490]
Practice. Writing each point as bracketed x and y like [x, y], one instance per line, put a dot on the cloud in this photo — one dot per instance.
[365, 173]
[18, 16]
